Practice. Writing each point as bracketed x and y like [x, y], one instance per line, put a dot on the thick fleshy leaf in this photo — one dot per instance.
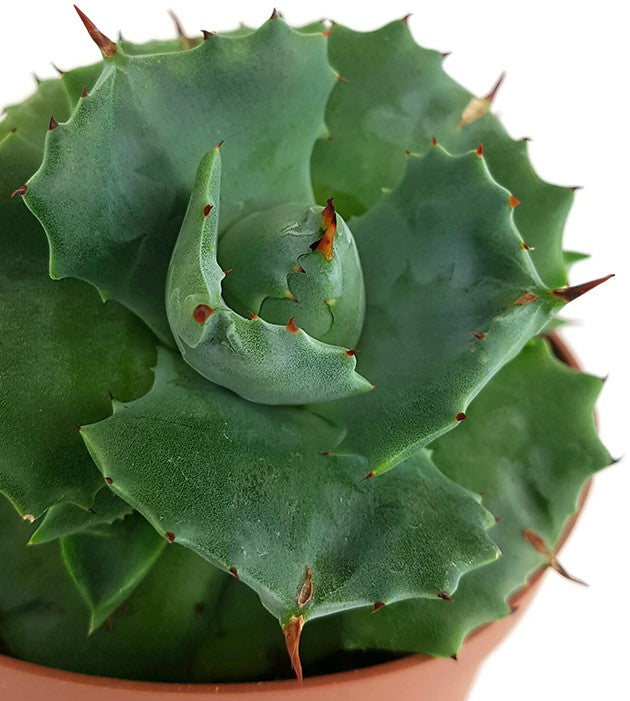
[148, 122]
[400, 103]
[260, 361]
[67, 519]
[109, 562]
[246, 487]
[153, 636]
[529, 445]
[62, 351]
[451, 296]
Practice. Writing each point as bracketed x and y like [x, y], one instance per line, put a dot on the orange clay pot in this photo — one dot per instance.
[414, 678]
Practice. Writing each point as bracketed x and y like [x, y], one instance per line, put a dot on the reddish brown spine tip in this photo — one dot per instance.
[326, 453]
[495, 88]
[58, 70]
[329, 224]
[536, 541]
[454, 657]
[297, 268]
[292, 633]
[275, 14]
[227, 272]
[13, 130]
[183, 39]
[446, 54]
[292, 326]
[378, 605]
[327, 33]
[445, 596]
[479, 151]
[218, 146]
[525, 298]
[568, 294]
[513, 202]
[207, 209]
[207, 35]
[22, 190]
[369, 475]
[405, 19]
[460, 416]
[480, 335]
[526, 247]
[252, 316]
[575, 188]
[170, 537]
[434, 141]
[52, 123]
[84, 92]
[305, 595]
[233, 571]
[109, 480]
[341, 78]
[104, 43]
[202, 312]
[76, 427]
[351, 353]
[498, 519]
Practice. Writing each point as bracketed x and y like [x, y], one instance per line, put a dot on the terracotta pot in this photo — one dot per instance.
[414, 678]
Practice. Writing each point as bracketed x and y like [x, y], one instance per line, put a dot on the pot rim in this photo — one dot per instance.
[562, 351]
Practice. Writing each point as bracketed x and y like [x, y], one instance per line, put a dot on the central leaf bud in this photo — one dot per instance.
[296, 261]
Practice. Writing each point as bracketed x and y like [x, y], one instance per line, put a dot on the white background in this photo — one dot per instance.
[567, 88]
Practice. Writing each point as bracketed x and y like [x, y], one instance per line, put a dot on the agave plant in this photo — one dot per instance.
[271, 354]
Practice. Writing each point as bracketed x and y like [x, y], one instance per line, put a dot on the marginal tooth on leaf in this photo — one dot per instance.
[76, 427]
[52, 123]
[297, 268]
[454, 657]
[253, 317]
[105, 44]
[305, 595]
[478, 107]
[207, 209]
[445, 596]
[170, 536]
[460, 416]
[405, 19]
[540, 545]
[290, 296]
[327, 33]
[341, 78]
[183, 39]
[526, 247]
[292, 326]
[84, 92]
[555, 565]
[227, 272]
[536, 541]
[513, 202]
[28, 517]
[446, 54]
[568, 294]
[369, 475]
[207, 35]
[292, 633]
[22, 190]
[480, 335]
[525, 298]
[330, 301]
[59, 71]
[434, 141]
[329, 223]
[575, 188]
[37, 79]
[234, 572]
[202, 312]
[275, 14]
[479, 151]
[350, 353]
[378, 605]
[218, 146]
[13, 130]
[495, 89]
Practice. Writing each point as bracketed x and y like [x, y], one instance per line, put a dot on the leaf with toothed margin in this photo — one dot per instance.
[529, 445]
[399, 104]
[442, 261]
[67, 519]
[107, 564]
[153, 636]
[149, 119]
[61, 352]
[245, 486]
[260, 361]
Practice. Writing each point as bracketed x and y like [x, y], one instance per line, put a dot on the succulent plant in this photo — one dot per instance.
[289, 362]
